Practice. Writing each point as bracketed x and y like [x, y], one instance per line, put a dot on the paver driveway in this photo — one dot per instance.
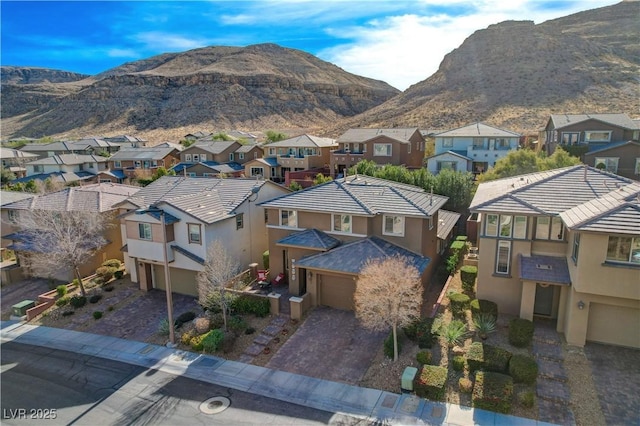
[330, 344]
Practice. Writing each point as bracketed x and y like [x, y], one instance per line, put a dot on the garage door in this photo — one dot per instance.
[337, 292]
[183, 281]
[616, 325]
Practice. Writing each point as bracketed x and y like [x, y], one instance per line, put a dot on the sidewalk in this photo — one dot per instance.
[376, 405]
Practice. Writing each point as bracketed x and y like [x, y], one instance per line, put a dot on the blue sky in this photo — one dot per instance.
[400, 42]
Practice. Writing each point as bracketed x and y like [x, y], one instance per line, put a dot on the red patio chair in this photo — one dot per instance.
[278, 279]
[263, 275]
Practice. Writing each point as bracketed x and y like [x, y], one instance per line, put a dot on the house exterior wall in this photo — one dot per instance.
[266, 170]
[628, 158]
[221, 157]
[252, 154]
[553, 136]
[461, 164]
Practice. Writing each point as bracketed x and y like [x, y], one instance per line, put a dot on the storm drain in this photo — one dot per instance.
[215, 405]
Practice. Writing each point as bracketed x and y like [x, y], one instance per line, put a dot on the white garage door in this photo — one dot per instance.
[616, 325]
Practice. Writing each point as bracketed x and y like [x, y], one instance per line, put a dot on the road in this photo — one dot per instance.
[53, 387]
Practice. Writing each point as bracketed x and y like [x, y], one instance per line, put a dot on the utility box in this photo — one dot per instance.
[20, 309]
[407, 379]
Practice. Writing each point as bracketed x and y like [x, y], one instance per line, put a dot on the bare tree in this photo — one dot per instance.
[219, 269]
[59, 240]
[388, 294]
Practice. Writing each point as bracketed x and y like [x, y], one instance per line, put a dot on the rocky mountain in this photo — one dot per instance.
[256, 87]
[514, 74]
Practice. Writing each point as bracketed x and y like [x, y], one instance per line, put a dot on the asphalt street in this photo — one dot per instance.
[54, 387]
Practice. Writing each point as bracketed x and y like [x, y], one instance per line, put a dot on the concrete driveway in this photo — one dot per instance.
[330, 344]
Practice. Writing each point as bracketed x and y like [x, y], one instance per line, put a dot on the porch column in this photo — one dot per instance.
[527, 300]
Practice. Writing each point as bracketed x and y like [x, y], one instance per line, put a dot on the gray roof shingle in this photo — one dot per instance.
[544, 269]
[620, 120]
[213, 147]
[402, 135]
[446, 221]
[310, 238]
[70, 159]
[143, 153]
[478, 130]
[304, 141]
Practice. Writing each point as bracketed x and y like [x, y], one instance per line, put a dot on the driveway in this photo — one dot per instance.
[28, 289]
[330, 344]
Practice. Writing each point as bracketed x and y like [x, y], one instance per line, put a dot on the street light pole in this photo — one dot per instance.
[167, 280]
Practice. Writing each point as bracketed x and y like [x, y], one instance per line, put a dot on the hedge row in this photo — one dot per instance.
[493, 392]
[482, 356]
[430, 382]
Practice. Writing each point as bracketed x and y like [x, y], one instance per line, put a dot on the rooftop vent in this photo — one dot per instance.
[542, 266]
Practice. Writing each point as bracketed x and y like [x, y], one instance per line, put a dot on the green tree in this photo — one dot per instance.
[222, 136]
[525, 161]
[458, 186]
[295, 186]
[320, 179]
[559, 159]
[6, 176]
[31, 186]
[187, 142]
[273, 136]
[364, 167]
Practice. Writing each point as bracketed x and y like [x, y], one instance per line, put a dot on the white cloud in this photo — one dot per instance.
[122, 53]
[161, 41]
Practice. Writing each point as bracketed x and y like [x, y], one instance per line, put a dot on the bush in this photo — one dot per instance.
[466, 385]
[118, 274]
[216, 321]
[457, 245]
[61, 290]
[202, 325]
[228, 342]
[526, 399]
[523, 369]
[430, 382]
[461, 238]
[213, 340]
[249, 330]
[67, 313]
[95, 298]
[459, 303]
[184, 318]
[482, 306]
[62, 301]
[265, 259]
[520, 332]
[481, 356]
[421, 332]
[452, 263]
[458, 363]
[424, 357]
[97, 315]
[485, 324]
[388, 346]
[105, 273]
[110, 308]
[196, 341]
[237, 324]
[112, 263]
[78, 301]
[453, 333]
[186, 337]
[258, 306]
[468, 274]
[76, 282]
[493, 392]
[108, 288]
[163, 327]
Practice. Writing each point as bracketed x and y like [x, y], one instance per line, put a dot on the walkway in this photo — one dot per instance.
[370, 404]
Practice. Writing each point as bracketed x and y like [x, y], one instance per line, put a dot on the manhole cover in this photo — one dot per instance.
[215, 405]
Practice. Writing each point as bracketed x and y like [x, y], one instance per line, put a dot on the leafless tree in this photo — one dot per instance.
[388, 294]
[219, 269]
[58, 240]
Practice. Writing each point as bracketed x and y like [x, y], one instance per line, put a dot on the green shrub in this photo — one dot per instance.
[458, 363]
[110, 308]
[520, 332]
[485, 324]
[249, 330]
[186, 337]
[421, 332]
[105, 273]
[493, 392]
[95, 298]
[184, 318]
[482, 306]
[388, 346]
[265, 259]
[196, 341]
[97, 315]
[213, 340]
[430, 382]
[526, 399]
[452, 263]
[465, 385]
[424, 357]
[461, 238]
[112, 263]
[108, 288]
[481, 356]
[468, 274]
[67, 313]
[76, 282]
[237, 324]
[118, 274]
[258, 306]
[523, 369]
[459, 303]
[457, 245]
[163, 327]
[62, 301]
[453, 333]
[78, 301]
[61, 290]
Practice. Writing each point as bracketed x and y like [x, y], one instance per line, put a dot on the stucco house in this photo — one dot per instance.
[142, 162]
[621, 158]
[14, 160]
[196, 212]
[397, 146]
[65, 168]
[474, 148]
[86, 146]
[563, 245]
[321, 237]
[302, 152]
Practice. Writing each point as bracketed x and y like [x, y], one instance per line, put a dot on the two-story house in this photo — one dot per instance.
[621, 158]
[14, 160]
[555, 244]
[66, 168]
[207, 158]
[398, 146]
[196, 212]
[321, 237]
[474, 148]
[142, 162]
[87, 146]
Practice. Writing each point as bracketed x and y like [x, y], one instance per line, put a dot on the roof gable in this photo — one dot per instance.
[402, 135]
[619, 120]
[304, 141]
[478, 130]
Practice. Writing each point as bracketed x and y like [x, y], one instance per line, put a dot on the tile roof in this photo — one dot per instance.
[15, 153]
[549, 192]
[361, 195]
[310, 238]
[616, 212]
[269, 161]
[142, 153]
[452, 152]
[247, 148]
[594, 149]
[446, 221]
[188, 254]
[544, 269]
[8, 197]
[362, 135]
[352, 257]
[70, 159]
[304, 141]
[56, 177]
[207, 199]
[213, 147]
[478, 130]
[620, 120]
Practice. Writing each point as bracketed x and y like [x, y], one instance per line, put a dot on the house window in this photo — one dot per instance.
[356, 148]
[451, 165]
[570, 138]
[117, 164]
[597, 136]
[241, 155]
[347, 147]
[478, 143]
[624, 249]
[255, 155]
[209, 174]
[239, 221]
[549, 228]
[288, 218]
[105, 180]
[257, 171]
[194, 233]
[491, 226]
[154, 163]
[576, 248]
[342, 223]
[147, 164]
[231, 156]
[393, 225]
[520, 227]
[187, 157]
[137, 164]
[447, 142]
[364, 148]
[272, 152]
[196, 158]
[502, 143]
[203, 157]
[382, 150]
[503, 257]
[610, 164]
[191, 174]
[38, 168]
[144, 231]
[505, 226]
[430, 222]
[409, 148]
[13, 215]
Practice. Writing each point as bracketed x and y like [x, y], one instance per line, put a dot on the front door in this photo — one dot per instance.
[544, 300]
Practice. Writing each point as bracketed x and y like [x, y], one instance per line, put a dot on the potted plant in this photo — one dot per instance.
[484, 324]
